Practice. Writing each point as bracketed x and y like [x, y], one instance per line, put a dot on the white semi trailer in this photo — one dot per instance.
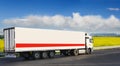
[43, 43]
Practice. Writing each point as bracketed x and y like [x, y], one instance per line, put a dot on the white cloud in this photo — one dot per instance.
[89, 23]
[114, 9]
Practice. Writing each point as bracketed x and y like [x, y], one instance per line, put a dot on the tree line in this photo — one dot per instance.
[1, 36]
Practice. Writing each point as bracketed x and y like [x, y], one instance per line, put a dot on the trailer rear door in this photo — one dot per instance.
[9, 42]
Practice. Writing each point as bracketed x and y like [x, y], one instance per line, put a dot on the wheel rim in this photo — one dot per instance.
[37, 55]
[44, 55]
[76, 52]
[51, 54]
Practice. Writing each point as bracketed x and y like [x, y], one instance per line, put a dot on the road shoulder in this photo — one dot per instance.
[106, 47]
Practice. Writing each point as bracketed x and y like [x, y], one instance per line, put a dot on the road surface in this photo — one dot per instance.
[108, 57]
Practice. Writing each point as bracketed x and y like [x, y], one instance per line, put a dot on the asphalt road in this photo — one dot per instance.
[108, 57]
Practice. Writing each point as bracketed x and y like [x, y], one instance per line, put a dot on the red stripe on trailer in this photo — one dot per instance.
[23, 45]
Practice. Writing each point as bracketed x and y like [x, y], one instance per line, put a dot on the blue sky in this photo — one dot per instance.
[10, 9]
[18, 8]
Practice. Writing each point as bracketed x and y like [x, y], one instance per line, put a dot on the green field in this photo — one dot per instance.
[98, 41]
[1, 45]
[106, 41]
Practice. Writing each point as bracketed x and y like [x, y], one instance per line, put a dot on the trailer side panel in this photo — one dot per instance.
[27, 39]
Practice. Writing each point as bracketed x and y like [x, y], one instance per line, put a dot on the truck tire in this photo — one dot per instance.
[75, 52]
[36, 55]
[89, 51]
[44, 54]
[51, 54]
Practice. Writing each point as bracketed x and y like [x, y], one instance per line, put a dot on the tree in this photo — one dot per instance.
[1, 36]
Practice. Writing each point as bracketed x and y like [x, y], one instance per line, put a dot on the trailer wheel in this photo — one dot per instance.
[75, 52]
[51, 54]
[36, 55]
[44, 54]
